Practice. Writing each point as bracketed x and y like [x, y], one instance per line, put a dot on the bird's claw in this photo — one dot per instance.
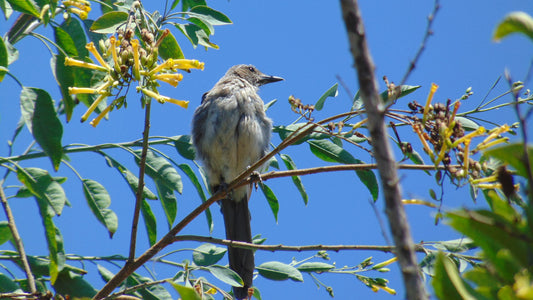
[255, 177]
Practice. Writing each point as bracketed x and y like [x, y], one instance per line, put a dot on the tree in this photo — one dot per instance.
[132, 47]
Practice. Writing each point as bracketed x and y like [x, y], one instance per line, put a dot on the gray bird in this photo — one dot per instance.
[230, 132]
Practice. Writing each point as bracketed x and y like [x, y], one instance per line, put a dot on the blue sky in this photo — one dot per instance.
[304, 42]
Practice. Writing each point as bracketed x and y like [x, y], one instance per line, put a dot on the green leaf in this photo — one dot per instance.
[155, 292]
[208, 254]
[225, 275]
[169, 48]
[315, 267]
[98, 199]
[74, 29]
[196, 35]
[285, 131]
[7, 285]
[331, 92]
[276, 270]
[42, 186]
[209, 15]
[289, 163]
[130, 178]
[74, 286]
[328, 151]
[25, 6]
[150, 222]
[512, 154]
[184, 146]
[194, 180]
[3, 58]
[105, 273]
[109, 22]
[159, 169]
[65, 77]
[41, 118]
[65, 42]
[515, 22]
[447, 282]
[186, 293]
[271, 198]
[5, 232]
[467, 124]
[168, 201]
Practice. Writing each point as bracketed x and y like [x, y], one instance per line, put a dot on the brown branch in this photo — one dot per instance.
[17, 239]
[197, 238]
[382, 151]
[140, 188]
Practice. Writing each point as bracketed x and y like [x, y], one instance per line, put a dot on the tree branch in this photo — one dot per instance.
[382, 152]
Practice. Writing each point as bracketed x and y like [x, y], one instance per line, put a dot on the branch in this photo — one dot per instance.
[140, 187]
[17, 239]
[382, 152]
[238, 244]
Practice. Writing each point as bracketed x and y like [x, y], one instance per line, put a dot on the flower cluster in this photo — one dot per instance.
[125, 59]
[443, 137]
[78, 7]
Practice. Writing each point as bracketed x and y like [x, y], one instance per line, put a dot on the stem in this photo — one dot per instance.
[17, 239]
[140, 188]
[382, 152]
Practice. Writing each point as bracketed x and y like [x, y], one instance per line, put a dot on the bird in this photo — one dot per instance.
[230, 132]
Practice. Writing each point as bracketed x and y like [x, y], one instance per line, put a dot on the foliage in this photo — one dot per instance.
[131, 46]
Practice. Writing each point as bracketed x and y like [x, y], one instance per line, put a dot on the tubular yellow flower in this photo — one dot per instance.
[81, 13]
[78, 90]
[470, 136]
[418, 202]
[166, 65]
[494, 133]
[135, 46]
[432, 91]
[90, 46]
[485, 179]
[163, 99]
[97, 120]
[186, 64]
[181, 103]
[113, 46]
[93, 107]
[385, 263]
[171, 79]
[489, 186]
[484, 146]
[428, 150]
[388, 289]
[78, 63]
[466, 158]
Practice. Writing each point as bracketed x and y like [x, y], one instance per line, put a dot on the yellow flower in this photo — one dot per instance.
[432, 91]
[163, 99]
[92, 108]
[112, 41]
[90, 46]
[171, 79]
[81, 13]
[136, 68]
[187, 64]
[97, 120]
[78, 63]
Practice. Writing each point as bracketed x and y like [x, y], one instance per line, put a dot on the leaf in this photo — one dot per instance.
[315, 267]
[209, 15]
[75, 286]
[226, 275]
[130, 178]
[168, 201]
[41, 118]
[74, 29]
[512, 154]
[150, 222]
[276, 270]
[99, 200]
[109, 22]
[196, 35]
[186, 293]
[155, 292]
[159, 169]
[515, 22]
[25, 6]
[289, 163]
[42, 186]
[5, 232]
[65, 77]
[3, 58]
[328, 151]
[458, 245]
[208, 254]
[8, 286]
[447, 282]
[400, 92]
[169, 48]
[467, 124]
[331, 92]
[184, 146]
[271, 198]
[194, 180]
[105, 273]
[285, 131]
[65, 42]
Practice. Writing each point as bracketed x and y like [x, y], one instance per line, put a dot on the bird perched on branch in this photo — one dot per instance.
[230, 132]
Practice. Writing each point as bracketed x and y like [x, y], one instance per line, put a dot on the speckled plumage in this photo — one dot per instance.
[230, 132]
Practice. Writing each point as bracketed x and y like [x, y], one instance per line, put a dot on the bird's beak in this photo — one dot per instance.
[269, 79]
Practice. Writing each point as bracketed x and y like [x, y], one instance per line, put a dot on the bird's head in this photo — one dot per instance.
[252, 75]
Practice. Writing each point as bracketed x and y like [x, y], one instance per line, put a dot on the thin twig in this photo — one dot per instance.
[140, 188]
[429, 32]
[17, 239]
[382, 151]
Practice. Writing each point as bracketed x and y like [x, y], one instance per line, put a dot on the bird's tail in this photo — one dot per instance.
[237, 222]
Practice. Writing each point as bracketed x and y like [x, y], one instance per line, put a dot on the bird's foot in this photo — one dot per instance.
[255, 177]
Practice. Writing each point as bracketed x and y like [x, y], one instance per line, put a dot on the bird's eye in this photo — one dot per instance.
[252, 69]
